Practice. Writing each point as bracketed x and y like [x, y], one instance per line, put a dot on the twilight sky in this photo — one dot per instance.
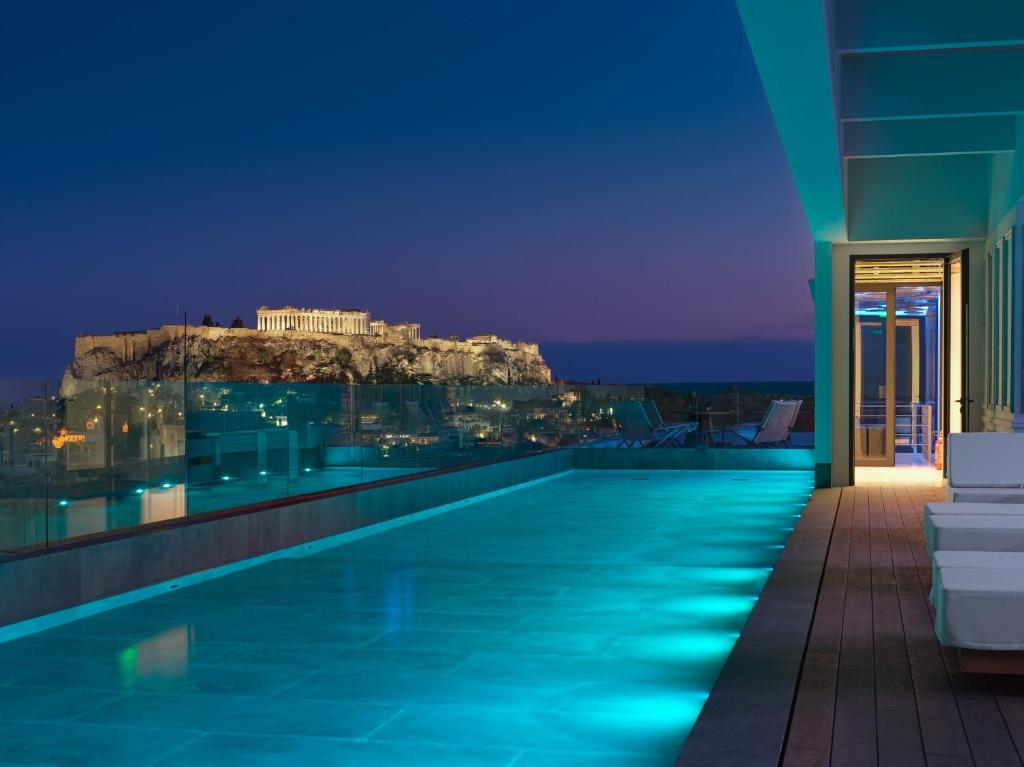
[559, 171]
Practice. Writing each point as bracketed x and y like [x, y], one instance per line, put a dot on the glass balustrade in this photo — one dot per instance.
[105, 456]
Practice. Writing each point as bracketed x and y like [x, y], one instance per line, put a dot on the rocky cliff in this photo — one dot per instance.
[239, 354]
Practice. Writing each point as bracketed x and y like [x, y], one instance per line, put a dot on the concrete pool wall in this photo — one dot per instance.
[44, 581]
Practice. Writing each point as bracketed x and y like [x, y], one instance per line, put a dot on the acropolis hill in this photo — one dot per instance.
[304, 345]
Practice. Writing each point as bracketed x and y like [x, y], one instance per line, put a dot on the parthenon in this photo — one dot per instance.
[344, 321]
[348, 322]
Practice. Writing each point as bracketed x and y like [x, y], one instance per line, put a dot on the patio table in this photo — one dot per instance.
[705, 429]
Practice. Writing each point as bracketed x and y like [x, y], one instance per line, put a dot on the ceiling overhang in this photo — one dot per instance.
[791, 48]
[928, 104]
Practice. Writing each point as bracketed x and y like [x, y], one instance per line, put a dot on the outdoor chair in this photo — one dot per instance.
[636, 430]
[654, 416]
[775, 428]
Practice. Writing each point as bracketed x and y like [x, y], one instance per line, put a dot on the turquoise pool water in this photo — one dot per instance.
[580, 621]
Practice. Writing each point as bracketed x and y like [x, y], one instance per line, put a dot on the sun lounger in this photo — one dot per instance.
[974, 532]
[986, 467]
[980, 608]
[774, 429]
[636, 430]
[654, 416]
[972, 509]
[993, 560]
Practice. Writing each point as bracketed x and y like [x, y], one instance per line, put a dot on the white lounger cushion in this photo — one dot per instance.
[992, 560]
[980, 608]
[986, 459]
[979, 559]
[972, 509]
[974, 532]
[985, 494]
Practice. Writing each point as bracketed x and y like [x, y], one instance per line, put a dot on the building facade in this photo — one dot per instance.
[347, 322]
[903, 127]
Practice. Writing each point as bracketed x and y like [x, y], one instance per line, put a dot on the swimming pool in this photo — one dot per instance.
[579, 621]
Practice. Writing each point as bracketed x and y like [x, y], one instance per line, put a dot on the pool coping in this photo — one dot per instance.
[746, 717]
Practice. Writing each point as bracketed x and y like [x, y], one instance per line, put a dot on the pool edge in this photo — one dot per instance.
[51, 581]
[746, 717]
[14, 631]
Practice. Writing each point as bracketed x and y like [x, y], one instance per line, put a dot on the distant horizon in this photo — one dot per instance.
[681, 361]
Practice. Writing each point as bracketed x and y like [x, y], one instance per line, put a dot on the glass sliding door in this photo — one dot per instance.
[873, 403]
[918, 359]
[956, 405]
[909, 344]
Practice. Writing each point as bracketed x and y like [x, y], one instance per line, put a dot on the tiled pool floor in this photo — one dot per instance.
[578, 622]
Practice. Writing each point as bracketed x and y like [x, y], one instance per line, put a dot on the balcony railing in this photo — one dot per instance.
[914, 428]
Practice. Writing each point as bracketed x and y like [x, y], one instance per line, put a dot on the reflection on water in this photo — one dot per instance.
[165, 503]
[163, 656]
[399, 607]
[85, 516]
[32, 521]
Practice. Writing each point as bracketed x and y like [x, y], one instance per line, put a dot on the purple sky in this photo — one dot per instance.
[552, 171]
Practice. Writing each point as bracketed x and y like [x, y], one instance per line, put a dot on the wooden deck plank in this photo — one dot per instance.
[899, 734]
[810, 730]
[941, 729]
[1009, 694]
[854, 734]
[875, 686]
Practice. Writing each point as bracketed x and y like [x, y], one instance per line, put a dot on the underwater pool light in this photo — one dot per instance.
[140, 490]
[225, 477]
[263, 473]
[63, 502]
[166, 485]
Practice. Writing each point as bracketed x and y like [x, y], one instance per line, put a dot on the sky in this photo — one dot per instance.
[554, 171]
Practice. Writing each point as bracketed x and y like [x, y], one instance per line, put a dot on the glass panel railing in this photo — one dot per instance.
[118, 457]
[102, 456]
[415, 428]
[25, 463]
[721, 415]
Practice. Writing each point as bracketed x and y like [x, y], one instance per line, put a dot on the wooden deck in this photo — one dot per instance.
[875, 686]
